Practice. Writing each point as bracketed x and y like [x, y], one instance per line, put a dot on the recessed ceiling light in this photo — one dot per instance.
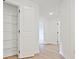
[50, 13]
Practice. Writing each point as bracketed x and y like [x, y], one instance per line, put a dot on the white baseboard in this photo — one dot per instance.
[29, 55]
[37, 51]
[48, 43]
[63, 57]
[9, 54]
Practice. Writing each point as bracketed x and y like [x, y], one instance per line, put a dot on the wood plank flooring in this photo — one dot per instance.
[48, 51]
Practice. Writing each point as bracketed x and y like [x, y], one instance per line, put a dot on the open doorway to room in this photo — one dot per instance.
[10, 29]
[41, 32]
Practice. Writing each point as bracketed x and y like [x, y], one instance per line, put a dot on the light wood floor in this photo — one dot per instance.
[46, 52]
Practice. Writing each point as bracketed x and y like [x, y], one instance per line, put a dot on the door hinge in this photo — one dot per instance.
[57, 32]
[19, 10]
[19, 51]
[19, 31]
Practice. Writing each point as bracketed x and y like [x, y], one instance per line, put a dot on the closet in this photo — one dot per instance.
[20, 34]
[10, 36]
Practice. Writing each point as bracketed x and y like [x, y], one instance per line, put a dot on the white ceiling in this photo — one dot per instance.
[46, 6]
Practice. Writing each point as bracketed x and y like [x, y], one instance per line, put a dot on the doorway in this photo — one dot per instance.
[10, 28]
[41, 33]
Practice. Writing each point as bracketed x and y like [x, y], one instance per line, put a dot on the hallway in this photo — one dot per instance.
[48, 51]
[32, 29]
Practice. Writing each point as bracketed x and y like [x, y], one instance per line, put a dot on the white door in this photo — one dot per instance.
[27, 32]
[10, 19]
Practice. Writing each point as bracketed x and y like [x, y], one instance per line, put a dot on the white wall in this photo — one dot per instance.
[50, 31]
[66, 15]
